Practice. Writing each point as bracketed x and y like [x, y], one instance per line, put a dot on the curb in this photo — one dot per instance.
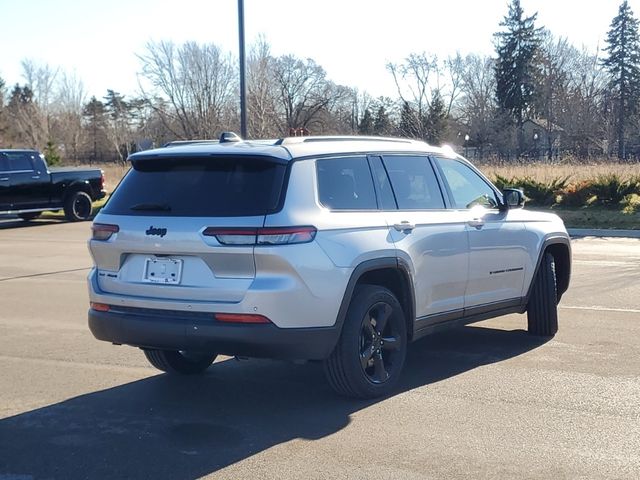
[588, 232]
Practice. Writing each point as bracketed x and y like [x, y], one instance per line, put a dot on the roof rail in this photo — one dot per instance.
[342, 138]
[179, 143]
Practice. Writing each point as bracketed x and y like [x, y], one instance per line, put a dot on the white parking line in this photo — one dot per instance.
[604, 309]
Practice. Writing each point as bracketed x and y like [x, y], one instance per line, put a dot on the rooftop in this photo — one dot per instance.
[293, 147]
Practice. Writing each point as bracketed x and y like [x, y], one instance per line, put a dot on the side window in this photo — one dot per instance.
[346, 184]
[414, 182]
[467, 187]
[19, 161]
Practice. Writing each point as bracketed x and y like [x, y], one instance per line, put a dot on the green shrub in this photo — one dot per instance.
[541, 194]
[610, 190]
[577, 194]
[631, 204]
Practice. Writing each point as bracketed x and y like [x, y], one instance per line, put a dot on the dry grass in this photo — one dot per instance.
[576, 172]
[113, 173]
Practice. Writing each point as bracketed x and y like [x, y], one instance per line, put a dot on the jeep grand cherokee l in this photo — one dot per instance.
[337, 249]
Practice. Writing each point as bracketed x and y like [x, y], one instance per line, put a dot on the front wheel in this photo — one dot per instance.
[77, 207]
[542, 310]
[180, 362]
[368, 359]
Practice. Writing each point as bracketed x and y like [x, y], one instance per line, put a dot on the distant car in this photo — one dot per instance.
[29, 187]
[338, 249]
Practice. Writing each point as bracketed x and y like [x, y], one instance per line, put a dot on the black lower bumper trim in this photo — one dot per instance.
[203, 333]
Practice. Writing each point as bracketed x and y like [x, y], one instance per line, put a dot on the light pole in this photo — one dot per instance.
[243, 86]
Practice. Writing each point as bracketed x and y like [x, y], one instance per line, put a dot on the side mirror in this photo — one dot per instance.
[513, 198]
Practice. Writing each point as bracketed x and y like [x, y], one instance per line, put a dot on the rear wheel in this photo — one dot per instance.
[368, 359]
[180, 362]
[77, 207]
[542, 311]
[27, 217]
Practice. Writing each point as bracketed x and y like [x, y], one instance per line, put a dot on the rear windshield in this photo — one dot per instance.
[188, 187]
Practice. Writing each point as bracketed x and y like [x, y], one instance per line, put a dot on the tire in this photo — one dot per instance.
[27, 217]
[367, 361]
[77, 207]
[178, 362]
[542, 310]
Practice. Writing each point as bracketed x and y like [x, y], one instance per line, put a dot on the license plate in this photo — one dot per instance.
[162, 270]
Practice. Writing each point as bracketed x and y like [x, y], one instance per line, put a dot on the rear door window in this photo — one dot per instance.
[414, 182]
[346, 184]
[200, 187]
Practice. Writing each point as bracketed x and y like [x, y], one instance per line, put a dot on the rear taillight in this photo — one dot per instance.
[241, 318]
[103, 180]
[103, 231]
[262, 236]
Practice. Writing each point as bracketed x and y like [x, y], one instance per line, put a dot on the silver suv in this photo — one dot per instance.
[338, 249]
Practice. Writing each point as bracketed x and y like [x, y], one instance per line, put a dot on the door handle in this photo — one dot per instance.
[4, 179]
[476, 222]
[404, 226]
[35, 177]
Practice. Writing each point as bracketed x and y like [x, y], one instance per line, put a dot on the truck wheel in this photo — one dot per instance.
[77, 207]
[368, 359]
[185, 363]
[27, 217]
[542, 310]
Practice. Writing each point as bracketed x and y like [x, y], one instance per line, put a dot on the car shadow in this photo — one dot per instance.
[188, 427]
[7, 222]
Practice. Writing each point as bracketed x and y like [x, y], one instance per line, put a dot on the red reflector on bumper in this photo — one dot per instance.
[241, 318]
[100, 307]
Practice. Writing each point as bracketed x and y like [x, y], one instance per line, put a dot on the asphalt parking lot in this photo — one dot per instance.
[483, 401]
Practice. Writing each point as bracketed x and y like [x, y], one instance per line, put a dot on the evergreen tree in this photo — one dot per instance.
[94, 114]
[365, 127]
[382, 123]
[408, 122]
[623, 65]
[51, 154]
[436, 121]
[517, 64]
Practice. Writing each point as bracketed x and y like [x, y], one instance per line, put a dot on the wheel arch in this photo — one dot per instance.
[78, 186]
[388, 272]
[560, 249]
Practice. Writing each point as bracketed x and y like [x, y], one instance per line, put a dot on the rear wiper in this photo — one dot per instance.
[161, 207]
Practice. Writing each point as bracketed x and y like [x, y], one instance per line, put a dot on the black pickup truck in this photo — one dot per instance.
[29, 187]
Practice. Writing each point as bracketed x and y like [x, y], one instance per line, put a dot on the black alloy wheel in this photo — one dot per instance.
[369, 356]
[380, 344]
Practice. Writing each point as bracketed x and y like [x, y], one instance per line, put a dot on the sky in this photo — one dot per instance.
[352, 39]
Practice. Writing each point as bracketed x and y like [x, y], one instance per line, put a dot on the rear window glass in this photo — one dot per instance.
[346, 184]
[220, 187]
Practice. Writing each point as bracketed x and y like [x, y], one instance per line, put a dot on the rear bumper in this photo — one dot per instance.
[174, 330]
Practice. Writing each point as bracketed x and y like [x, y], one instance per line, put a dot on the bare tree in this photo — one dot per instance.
[262, 91]
[583, 113]
[198, 81]
[305, 94]
[68, 107]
